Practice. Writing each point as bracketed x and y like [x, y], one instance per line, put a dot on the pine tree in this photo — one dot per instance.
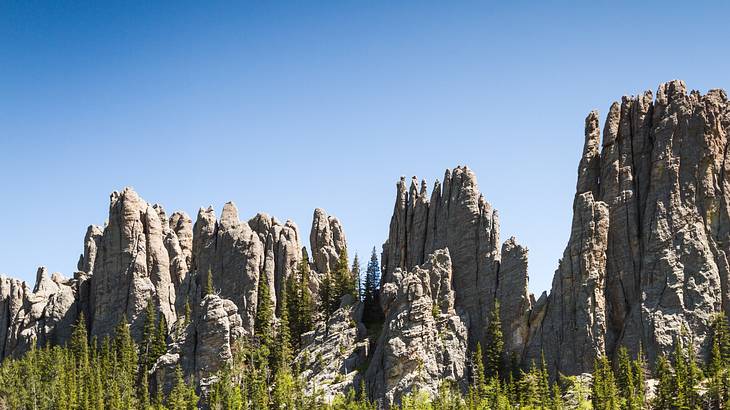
[284, 395]
[640, 378]
[544, 383]
[146, 358]
[343, 282]
[557, 398]
[495, 348]
[694, 376]
[263, 326]
[479, 377]
[357, 277]
[177, 400]
[305, 301]
[299, 301]
[144, 393]
[159, 346]
[326, 295]
[372, 310]
[625, 380]
[79, 340]
[126, 352]
[605, 392]
[716, 368]
[665, 387]
[282, 347]
[721, 333]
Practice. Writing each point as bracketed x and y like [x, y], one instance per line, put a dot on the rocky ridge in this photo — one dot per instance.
[646, 258]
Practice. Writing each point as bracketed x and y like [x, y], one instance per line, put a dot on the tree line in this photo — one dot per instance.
[115, 372]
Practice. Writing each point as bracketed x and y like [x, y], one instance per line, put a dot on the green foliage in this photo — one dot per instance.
[356, 279]
[494, 364]
[337, 284]
[113, 374]
[372, 313]
[300, 305]
[687, 375]
[479, 382]
[605, 393]
[282, 354]
[665, 387]
[81, 375]
[263, 326]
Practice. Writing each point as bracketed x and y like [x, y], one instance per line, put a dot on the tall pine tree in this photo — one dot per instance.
[263, 326]
[495, 348]
[372, 311]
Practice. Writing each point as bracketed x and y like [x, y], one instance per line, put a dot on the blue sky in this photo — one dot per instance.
[284, 107]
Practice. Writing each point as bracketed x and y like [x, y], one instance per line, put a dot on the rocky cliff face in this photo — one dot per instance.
[647, 257]
[334, 353]
[458, 218]
[143, 256]
[424, 339]
[648, 248]
[649, 243]
[44, 314]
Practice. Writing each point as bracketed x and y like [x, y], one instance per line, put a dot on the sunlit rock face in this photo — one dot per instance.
[646, 258]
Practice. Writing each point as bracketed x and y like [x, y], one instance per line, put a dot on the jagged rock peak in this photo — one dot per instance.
[326, 241]
[424, 339]
[132, 266]
[457, 217]
[650, 234]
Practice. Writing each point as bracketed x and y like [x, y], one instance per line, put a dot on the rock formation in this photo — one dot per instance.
[650, 237]
[647, 257]
[648, 249]
[458, 217]
[424, 340]
[142, 256]
[203, 344]
[42, 315]
[334, 353]
[131, 266]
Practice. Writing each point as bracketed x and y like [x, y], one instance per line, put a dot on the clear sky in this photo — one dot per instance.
[284, 107]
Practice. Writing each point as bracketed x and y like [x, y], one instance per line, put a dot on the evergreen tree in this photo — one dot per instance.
[694, 376]
[263, 326]
[665, 388]
[144, 393]
[495, 348]
[284, 392]
[625, 380]
[159, 346]
[126, 351]
[544, 383]
[299, 301]
[305, 301]
[640, 378]
[326, 295]
[605, 392]
[79, 340]
[721, 334]
[557, 398]
[343, 282]
[356, 280]
[372, 311]
[479, 382]
[282, 347]
[146, 354]
[179, 395]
